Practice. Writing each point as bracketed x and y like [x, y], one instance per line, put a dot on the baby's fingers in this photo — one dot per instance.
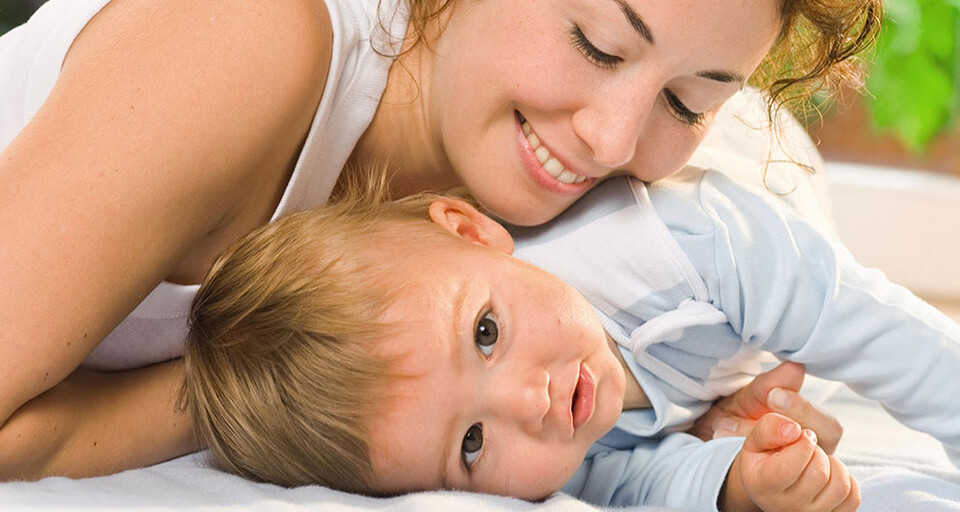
[786, 469]
[815, 474]
[852, 503]
[771, 431]
[838, 488]
[794, 406]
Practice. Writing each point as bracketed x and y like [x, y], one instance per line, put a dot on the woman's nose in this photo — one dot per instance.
[522, 397]
[613, 120]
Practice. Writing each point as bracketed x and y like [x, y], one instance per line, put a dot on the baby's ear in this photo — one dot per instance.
[463, 220]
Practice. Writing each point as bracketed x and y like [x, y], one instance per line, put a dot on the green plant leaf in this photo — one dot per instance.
[939, 28]
[901, 31]
[911, 96]
[913, 76]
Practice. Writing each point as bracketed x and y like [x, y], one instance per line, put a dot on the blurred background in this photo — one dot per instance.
[908, 114]
[893, 152]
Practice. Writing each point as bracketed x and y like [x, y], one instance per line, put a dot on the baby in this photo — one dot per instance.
[386, 347]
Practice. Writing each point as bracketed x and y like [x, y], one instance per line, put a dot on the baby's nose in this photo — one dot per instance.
[526, 399]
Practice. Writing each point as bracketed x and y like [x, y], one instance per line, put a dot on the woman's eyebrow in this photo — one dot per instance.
[723, 76]
[633, 17]
[635, 21]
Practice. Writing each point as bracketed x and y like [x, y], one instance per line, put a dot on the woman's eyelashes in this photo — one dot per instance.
[591, 52]
[471, 445]
[606, 61]
[680, 110]
[486, 334]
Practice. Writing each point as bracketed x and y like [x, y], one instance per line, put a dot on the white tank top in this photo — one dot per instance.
[30, 60]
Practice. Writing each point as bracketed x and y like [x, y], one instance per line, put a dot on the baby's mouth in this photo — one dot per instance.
[582, 402]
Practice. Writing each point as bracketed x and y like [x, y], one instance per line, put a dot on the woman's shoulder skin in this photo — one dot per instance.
[171, 131]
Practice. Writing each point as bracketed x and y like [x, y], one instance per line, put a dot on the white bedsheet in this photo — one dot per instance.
[899, 470]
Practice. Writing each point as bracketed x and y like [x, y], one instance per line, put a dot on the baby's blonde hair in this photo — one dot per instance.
[281, 376]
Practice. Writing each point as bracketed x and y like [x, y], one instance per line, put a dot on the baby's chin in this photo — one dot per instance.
[614, 391]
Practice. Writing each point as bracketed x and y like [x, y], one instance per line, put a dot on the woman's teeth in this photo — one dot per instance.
[550, 163]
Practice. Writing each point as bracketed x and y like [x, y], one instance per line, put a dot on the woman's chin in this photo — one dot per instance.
[531, 209]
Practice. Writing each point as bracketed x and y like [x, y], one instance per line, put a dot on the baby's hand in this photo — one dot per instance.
[781, 469]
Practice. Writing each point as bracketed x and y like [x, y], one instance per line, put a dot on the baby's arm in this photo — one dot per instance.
[98, 423]
[781, 468]
[787, 289]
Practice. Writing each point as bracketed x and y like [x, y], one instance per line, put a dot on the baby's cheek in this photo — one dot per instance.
[542, 475]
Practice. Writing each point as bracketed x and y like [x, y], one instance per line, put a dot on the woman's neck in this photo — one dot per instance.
[400, 135]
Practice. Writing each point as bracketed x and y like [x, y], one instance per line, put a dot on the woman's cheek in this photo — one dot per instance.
[665, 153]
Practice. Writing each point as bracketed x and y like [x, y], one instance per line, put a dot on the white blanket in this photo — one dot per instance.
[899, 470]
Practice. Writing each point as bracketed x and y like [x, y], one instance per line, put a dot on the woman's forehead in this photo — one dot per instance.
[675, 22]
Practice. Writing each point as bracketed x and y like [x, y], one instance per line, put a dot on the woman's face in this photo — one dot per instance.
[532, 102]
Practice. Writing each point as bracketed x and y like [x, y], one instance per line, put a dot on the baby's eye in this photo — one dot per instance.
[486, 334]
[471, 445]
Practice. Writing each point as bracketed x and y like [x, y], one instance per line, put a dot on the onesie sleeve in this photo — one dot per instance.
[678, 471]
[790, 290]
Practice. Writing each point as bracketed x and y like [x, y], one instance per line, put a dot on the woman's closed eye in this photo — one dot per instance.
[486, 334]
[681, 111]
[592, 53]
[471, 445]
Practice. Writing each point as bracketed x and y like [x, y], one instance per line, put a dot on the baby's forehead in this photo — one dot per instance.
[407, 437]
[413, 363]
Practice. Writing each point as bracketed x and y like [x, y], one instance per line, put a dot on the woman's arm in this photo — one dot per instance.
[167, 124]
[98, 423]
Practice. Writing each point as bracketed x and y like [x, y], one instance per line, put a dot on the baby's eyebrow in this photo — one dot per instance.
[448, 437]
[445, 458]
[458, 300]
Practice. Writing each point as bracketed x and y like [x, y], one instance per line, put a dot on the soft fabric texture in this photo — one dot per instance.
[30, 60]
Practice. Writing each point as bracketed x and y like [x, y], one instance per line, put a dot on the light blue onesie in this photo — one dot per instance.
[698, 279]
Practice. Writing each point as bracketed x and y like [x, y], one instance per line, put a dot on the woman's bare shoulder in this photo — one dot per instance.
[230, 85]
[166, 115]
[285, 43]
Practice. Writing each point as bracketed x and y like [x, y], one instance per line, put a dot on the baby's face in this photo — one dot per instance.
[511, 380]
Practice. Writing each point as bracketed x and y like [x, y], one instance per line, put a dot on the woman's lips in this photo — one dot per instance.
[583, 397]
[538, 174]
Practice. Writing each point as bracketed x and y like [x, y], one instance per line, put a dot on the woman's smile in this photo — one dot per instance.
[544, 167]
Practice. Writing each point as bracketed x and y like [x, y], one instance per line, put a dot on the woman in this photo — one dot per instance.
[140, 138]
